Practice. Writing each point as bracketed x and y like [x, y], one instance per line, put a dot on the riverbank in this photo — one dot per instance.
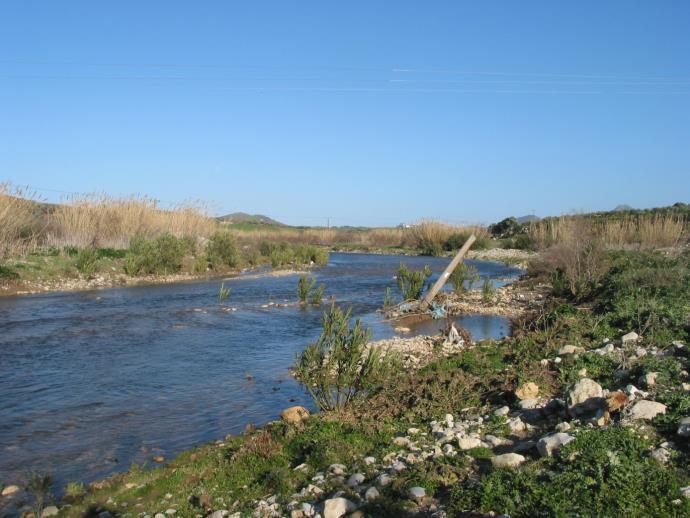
[579, 412]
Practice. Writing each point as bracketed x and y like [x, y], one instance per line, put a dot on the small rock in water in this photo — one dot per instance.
[10, 490]
[51, 510]
[159, 459]
[684, 427]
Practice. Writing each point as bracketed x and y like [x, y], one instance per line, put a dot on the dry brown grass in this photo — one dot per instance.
[20, 221]
[434, 234]
[637, 230]
[103, 221]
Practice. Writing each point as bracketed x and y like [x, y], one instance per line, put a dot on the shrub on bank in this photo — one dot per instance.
[162, 255]
[222, 250]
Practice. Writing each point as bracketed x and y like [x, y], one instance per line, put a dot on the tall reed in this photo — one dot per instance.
[20, 220]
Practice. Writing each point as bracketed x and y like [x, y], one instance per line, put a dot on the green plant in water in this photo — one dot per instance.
[39, 486]
[410, 282]
[223, 294]
[388, 300]
[463, 277]
[488, 290]
[317, 294]
[338, 368]
[304, 287]
[87, 261]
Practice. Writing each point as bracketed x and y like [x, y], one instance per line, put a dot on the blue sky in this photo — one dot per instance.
[372, 113]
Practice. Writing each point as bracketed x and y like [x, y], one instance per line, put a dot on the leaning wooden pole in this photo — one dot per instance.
[446, 273]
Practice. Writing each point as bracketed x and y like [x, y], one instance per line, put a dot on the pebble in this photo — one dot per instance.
[355, 480]
[51, 510]
[416, 493]
[369, 460]
[371, 494]
[507, 460]
[10, 490]
[383, 479]
[502, 411]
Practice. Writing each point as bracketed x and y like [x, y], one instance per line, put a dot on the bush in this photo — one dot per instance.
[411, 283]
[160, 256]
[304, 287]
[338, 368]
[464, 274]
[508, 227]
[221, 250]
[87, 261]
[488, 290]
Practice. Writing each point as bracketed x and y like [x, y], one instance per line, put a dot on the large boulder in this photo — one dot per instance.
[550, 444]
[295, 414]
[646, 410]
[585, 397]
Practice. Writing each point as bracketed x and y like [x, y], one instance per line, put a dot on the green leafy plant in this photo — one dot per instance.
[87, 261]
[223, 293]
[410, 282]
[317, 294]
[222, 250]
[39, 486]
[488, 290]
[304, 287]
[388, 300]
[338, 368]
[463, 277]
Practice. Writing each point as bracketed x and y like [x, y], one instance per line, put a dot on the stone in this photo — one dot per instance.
[222, 513]
[337, 469]
[355, 480]
[307, 509]
[649, 379]
[661, 455]
[527, 391]
[604, 350]
[401, 441]
[549, 445]
[684, 427]
[563, 427]
[159, 515]
[685, 492]
[502, 411]
[570, 349]
[586, 396]
[507, 460]
[646, 410]
[516, 425]
[10, 490]
[171, 512]
[51, 510]
[369, 460]
[337, 507]
[383, 479]
[467, 443]
[529, 404]
[159, 459]
[495, 442]
[630, 337]
[398, 466]
[371, 494]
[295, 414]
[416, 493]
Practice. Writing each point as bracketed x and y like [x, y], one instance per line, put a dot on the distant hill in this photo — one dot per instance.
[623, 208]
[243, 217]
[530, 218]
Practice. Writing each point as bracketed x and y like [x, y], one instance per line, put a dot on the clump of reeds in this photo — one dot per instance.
[100, 220]
[20, 221]
[433, 237]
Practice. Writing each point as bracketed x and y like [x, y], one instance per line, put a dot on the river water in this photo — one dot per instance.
[91, 382]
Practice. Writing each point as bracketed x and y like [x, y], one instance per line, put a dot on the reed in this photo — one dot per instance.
[20, 221]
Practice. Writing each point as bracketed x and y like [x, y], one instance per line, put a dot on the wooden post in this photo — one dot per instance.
[446, 273]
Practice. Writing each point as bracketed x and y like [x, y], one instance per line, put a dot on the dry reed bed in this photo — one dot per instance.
[642, 230]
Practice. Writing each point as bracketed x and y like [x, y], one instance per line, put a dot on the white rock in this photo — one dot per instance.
[159, 515]
[401, 441]
[337, 507]
[171, 511]
[661, 455]
[550, 444]
[606, 349]
[685, 491]
[529, 404]
[383, 479]
[684, 427]
[371, 494]
[449, 420]
[507, 460]
[51, 510]
[502, 411]
[585, 396]
[646, 410]
[649, 379]
[563, 427]
[355, 480]
[412, 431]
[369, 460]
[337, 469]
[467, 443]
[630, 337]
[416, 493]
[516, 425]
[570, 349]
[398, 466]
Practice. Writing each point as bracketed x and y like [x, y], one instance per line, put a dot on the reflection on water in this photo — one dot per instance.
[91, 382]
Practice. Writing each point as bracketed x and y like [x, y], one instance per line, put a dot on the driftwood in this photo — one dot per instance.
[424, 304]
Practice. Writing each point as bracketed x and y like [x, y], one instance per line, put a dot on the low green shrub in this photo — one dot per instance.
[86, 261]
[410, 282]
[222, 250]
[304, 287]
[162, 255]
[463, 277]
